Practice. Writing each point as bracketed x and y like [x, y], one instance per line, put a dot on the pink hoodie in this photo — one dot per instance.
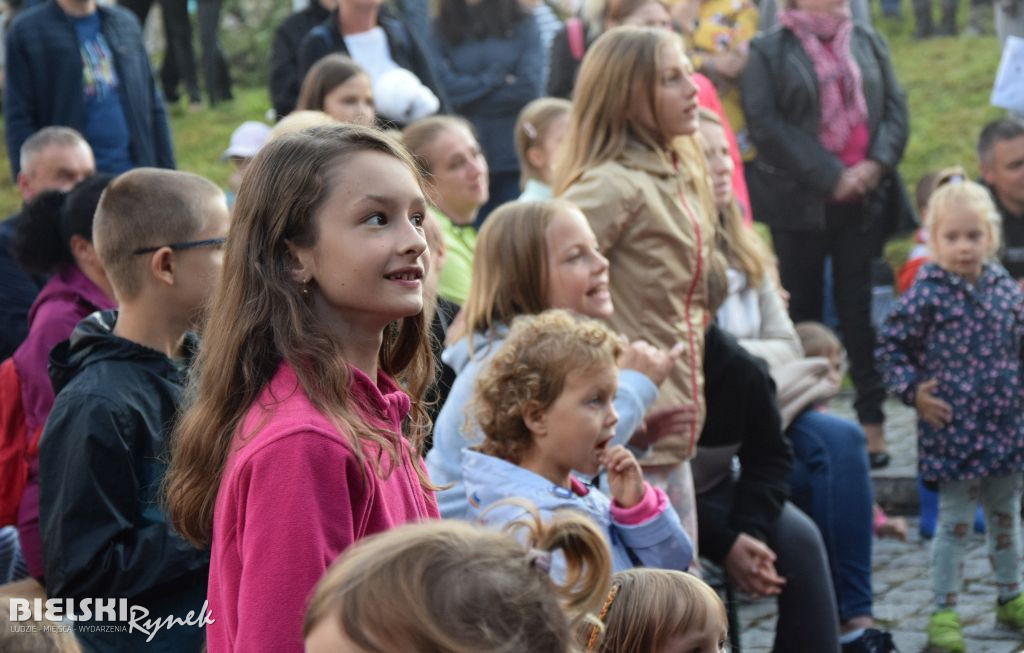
[291, 499]
[66, 299]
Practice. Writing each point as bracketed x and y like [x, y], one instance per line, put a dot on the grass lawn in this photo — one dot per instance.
[948, 81]
[199, 140]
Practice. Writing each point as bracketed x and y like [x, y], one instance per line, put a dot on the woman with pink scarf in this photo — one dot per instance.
[829, 121]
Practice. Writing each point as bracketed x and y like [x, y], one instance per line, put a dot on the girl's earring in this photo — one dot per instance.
[305, 287]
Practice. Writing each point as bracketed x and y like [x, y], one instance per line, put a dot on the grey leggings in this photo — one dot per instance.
[808, 618]
[1000, 498]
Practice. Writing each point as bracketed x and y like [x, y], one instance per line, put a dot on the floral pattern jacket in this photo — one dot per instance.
[968, 337]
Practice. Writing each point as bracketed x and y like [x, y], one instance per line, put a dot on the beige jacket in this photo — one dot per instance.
[651, 218]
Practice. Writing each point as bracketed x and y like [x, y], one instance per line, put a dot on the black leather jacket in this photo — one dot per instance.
[793, 175]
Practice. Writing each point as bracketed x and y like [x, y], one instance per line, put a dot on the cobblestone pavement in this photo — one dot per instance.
[901, 578]
[903, 601]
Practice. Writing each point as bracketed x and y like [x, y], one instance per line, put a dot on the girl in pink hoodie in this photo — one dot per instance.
[300, 437]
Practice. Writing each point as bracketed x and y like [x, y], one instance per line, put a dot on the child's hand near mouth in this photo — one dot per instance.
[625, 479]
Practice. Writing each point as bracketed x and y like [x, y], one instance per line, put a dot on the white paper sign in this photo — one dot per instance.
[1008, 90]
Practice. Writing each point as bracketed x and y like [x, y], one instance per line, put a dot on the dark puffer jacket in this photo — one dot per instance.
[285, 72]
[102, 457]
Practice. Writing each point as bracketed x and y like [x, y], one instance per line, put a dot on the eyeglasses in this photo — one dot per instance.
[190, 244]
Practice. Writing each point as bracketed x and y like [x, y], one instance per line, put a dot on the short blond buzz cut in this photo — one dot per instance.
[147, 207]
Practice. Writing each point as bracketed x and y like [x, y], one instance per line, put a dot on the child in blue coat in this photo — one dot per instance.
[952, 349]
[545, 406]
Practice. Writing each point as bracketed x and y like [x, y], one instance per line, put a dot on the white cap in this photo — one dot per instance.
[247, 140]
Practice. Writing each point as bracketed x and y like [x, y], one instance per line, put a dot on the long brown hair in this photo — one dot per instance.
[259, 318]
[326, 75]
[618, 75]
[450, 586]
[742, 247]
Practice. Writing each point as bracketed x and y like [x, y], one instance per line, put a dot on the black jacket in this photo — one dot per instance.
[1011, 250]
[102, 456]
[438, 391]
[407, 49]
[564, 66]
[743, 420]
[285, 75]
[18, 292]
[794, 175]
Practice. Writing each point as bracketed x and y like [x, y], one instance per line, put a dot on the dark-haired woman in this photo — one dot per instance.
[54, 238]
[490, 66]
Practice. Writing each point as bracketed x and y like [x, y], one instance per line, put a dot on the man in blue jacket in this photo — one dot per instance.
[72, 63]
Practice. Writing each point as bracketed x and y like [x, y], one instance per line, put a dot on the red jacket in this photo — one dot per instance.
[292, 497]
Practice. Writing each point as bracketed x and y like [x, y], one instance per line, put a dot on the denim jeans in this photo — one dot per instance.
[830, 482]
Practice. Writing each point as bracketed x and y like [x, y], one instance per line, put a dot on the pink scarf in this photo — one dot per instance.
[839, 84]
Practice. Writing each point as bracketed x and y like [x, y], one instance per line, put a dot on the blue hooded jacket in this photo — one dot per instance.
[659, 542]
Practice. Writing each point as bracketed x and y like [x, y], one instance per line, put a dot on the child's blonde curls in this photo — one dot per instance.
[968, 195]
[530, 369]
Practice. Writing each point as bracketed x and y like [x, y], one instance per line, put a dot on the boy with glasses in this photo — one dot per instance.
[119, 381]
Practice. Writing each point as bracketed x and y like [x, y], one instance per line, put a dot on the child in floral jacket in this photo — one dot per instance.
[952, 349]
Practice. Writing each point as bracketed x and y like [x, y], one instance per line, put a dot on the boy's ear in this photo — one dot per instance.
[535, 418]
[162, 265]
[300, 263]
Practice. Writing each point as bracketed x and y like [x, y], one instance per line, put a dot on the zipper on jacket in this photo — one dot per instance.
[686, 310]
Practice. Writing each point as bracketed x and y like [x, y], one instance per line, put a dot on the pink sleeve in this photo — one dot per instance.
[298, 495]
[653, 504]
[707, 97]
[54, 322]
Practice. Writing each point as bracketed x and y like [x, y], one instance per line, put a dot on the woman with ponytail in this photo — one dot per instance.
[449, 586]
[54, 239]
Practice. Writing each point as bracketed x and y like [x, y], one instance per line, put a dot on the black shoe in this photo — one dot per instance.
[879, 459]
[872, 641]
